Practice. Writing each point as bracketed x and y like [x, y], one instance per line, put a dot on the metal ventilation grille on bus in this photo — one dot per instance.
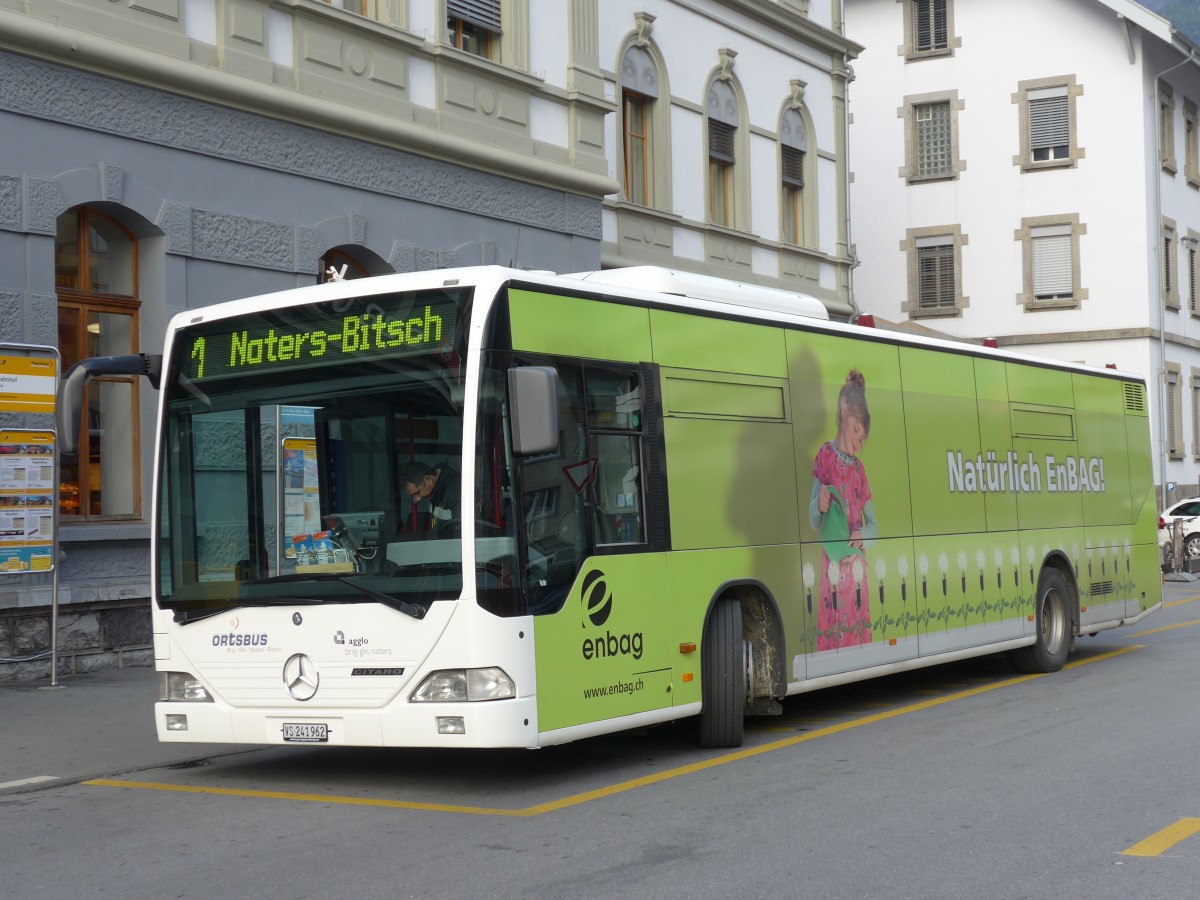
[1101, 588]
[1135, 397]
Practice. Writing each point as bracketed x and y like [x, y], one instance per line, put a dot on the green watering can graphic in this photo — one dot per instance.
[835, 528]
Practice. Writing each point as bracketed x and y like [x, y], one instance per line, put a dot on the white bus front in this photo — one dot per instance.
[302, 596]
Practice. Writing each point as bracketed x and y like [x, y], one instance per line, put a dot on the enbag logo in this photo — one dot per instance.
[597, 602]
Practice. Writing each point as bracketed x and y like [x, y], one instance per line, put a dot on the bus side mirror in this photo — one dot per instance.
[75, 379]
[533, 398]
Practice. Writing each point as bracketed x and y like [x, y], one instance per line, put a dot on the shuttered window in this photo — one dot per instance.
[482, 13]
[1173, 399]
[935, 155]
[935, 273]
[1053, 262]
[1191, 270]
[793, 167]
[720, 142]
[929, 25]
[1049, 124]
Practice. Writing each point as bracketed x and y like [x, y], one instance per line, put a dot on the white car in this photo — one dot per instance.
[1187, 513]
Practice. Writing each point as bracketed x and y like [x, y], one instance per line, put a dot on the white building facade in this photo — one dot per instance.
[1028, 172]
[729, 141]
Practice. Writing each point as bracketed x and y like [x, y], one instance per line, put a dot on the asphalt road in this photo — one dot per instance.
[967, 780]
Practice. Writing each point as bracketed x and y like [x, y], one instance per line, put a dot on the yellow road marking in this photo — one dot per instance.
[1165, 839]
[1166, 628]
[1181, 601]
[621, 787]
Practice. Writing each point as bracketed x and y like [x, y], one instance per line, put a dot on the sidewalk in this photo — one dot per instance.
[96, 725]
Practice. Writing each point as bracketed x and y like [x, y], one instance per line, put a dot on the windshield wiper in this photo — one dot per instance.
[189, 616]
[409, 609]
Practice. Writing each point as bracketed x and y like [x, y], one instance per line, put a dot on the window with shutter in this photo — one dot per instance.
[935, 274]
[1173, 401]
[929, 25]
[1053, 262]
[793, 167]
[1195, 415]
[720, 142]
[1049, 124]
[474, 25]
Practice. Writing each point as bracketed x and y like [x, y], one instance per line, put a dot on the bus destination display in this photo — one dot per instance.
[319, 335]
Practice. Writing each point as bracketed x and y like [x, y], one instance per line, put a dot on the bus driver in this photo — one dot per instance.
[438, 484]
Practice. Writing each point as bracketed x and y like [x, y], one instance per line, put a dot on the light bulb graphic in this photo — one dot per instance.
[809, 577]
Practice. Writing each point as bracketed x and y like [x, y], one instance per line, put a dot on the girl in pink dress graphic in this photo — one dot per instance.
[841, 509]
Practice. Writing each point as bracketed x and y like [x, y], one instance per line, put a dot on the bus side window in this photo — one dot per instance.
[614, 425]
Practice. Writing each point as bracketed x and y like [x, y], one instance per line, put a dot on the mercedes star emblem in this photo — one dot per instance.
[300, 677]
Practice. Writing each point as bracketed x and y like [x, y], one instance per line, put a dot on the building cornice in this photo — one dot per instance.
[28, 36]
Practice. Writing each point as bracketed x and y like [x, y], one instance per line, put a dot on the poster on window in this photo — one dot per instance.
[301, 493]
[26, 501]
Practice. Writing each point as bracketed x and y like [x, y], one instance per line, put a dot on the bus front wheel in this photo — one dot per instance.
[1049, 652]
[723, 677]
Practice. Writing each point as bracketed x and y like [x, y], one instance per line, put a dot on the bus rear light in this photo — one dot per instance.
[465, 685]
[451, 725]
[182, 687]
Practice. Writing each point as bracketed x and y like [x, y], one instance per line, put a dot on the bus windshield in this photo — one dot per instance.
[312, 454]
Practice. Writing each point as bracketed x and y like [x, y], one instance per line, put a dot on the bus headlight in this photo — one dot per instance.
[458, 685]
[182, 686]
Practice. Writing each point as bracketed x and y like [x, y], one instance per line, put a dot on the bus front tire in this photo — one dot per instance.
[1049, 652]
[723, 677]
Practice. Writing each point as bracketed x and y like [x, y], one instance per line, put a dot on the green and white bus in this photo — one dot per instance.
[646, 496]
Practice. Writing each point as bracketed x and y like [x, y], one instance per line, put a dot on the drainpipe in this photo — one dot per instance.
[851, 252]
[1162, 273]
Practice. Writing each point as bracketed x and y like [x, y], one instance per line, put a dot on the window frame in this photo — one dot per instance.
[927, 238]
[1166, 128]
[1195, 380]
[507, 22]
[910, 49]
[629, 98]
[798, 224]
[658, 116]
[910, 113]
[727, 170]
[1172, 377]
[1191, 143]
[1168, 239]
[1032, 91]
[1028, 235]
[84, 301]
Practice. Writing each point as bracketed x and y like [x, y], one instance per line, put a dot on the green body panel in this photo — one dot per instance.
[981, 472]
[569, 326]
[991, 382]
[1040, 502]
[606, 652]
[940, 400]
[691, 342]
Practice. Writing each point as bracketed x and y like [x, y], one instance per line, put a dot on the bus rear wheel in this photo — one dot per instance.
[1049, 652]
[723, 677]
